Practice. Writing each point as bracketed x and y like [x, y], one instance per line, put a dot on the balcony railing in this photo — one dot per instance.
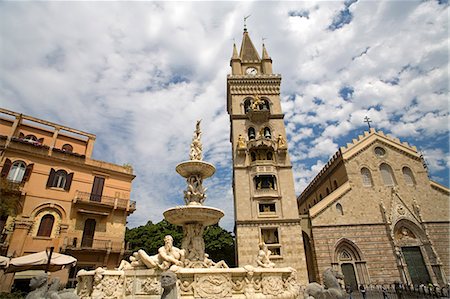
[114, 202]
[265, 192]
[93, 243]
[11, 186]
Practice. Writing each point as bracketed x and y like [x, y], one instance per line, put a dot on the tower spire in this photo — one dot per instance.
[235, 54]
[265, 55]
[248, 51]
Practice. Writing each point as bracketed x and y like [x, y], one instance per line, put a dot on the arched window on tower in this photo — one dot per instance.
[265, 182]
[265, 105]
[387, 175]
[251, 133]
[267, 133]
[408, 176]
[247, 105]
[366, 177]
[46, 226]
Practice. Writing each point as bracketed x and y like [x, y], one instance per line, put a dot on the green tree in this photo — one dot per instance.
[219, 243]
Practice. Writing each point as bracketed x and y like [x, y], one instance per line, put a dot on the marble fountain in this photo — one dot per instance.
[195, 275]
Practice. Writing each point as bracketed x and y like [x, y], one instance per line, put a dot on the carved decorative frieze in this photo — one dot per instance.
[272, 285]
[213, 286]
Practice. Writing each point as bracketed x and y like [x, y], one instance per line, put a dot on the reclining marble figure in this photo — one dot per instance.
[168, 257]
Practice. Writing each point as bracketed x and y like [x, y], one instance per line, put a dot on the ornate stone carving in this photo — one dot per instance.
[196, 145]
[263, 258]
[107, 287]
[272, 285]
[151, 286]
[168, 257]
[330, 289]
[213, 286]
[128, 286]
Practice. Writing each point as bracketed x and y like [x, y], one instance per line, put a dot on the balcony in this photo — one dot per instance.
[93, 244]
[261, 142]
[105, 201]
[11, 187]
[258, 115]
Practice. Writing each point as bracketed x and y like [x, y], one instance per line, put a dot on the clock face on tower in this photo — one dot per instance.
[251, 71]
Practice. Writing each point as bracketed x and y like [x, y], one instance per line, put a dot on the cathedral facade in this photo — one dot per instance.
[374, 214]
[371, 212]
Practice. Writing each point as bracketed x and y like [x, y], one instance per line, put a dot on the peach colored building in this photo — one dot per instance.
[55, 195]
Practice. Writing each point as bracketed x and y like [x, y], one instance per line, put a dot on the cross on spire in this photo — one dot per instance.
[245, 22]
[368, 121]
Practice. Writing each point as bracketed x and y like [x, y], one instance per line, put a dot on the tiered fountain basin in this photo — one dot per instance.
[195, 167]
[230, 283]
[193, 213]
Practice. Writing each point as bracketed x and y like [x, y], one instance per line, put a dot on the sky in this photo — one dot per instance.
[139, 75]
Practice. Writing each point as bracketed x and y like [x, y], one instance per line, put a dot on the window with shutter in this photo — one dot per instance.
[6, 168]
[17, 171]
[27, 174]
[97, 189]
[51, 178]
[46, 226]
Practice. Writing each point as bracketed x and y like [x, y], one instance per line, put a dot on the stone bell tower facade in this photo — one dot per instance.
[263, 186]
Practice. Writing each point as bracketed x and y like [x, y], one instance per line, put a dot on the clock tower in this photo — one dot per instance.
[263, 186]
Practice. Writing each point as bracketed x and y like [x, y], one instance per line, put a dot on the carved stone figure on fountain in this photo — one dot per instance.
[168, 257]
[196, 145]
[195, 192]
[331, 287]
[263, 258]
[169, 284]
[41, 289]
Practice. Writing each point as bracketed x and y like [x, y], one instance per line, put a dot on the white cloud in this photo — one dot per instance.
[139, 74]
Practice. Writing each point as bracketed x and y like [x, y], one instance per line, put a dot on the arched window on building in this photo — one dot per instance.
[59, 179]
[335, 183]
[408, 176]
[46, 226]
[387, 175]
[67, 148]
[30, 138]
[366, 177]
[251, 133]
[17, 171]
[328, 191]
[339, 209]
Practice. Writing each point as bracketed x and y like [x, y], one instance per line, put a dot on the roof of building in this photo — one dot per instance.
[354, 148]
[248, 51]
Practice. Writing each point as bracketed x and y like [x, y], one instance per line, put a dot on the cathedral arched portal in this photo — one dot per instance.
[417, 260]
[348, 259]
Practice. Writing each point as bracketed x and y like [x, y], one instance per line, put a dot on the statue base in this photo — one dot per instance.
[245, 283]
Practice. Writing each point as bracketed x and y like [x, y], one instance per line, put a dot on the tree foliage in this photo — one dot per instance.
[219, 243]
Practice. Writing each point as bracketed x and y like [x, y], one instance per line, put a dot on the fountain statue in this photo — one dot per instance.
[197, 276]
